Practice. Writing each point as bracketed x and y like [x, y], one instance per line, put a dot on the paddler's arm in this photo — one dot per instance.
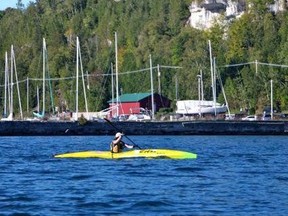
[115, 141]
[129, 146]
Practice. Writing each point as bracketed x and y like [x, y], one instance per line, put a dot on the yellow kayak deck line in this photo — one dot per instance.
[143, 153]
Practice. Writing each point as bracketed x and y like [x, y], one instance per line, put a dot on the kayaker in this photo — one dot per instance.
[117, 145]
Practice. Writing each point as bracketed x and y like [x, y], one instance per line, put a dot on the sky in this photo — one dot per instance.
[11, 3]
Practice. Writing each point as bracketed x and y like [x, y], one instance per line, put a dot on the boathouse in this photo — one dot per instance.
[136, 103]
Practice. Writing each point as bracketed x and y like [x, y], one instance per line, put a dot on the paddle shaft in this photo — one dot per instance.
[121, 130]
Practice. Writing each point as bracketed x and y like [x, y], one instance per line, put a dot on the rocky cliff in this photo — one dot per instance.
[204, 15]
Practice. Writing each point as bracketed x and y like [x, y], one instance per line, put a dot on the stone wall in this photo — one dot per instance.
[30, 128]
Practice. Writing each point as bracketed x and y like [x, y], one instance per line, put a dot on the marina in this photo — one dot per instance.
[143, 107]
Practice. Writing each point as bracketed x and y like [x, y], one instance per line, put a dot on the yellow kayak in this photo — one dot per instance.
[143, 153]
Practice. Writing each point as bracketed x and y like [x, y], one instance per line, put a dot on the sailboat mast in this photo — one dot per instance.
[271, 108]
[13, 66]
[199, 93]
[38, 99]
[176, 87]
[44, 66]
[82, 74]
[6, 80]
[152, 89]
[17, 85]
[116, 72]
[11, 95]
[211, 64]
[159, 79]
[214, 85]
[212, 76]
[112, 90]
[77, 75]
[27, 94]
[202, 91]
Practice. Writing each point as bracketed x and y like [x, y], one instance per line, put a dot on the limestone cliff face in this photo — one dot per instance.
[205, 14]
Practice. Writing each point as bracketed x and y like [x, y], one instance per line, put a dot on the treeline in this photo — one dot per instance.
[145, 27]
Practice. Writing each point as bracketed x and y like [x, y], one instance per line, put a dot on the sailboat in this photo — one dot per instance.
[10, 87]
[193, 107]
[201, 106]
[37, 113]
[7, 90]
[79, 60]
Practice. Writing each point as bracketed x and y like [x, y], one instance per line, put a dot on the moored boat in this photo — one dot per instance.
[192, 107]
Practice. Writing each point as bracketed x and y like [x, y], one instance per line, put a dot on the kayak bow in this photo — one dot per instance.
[145, 153]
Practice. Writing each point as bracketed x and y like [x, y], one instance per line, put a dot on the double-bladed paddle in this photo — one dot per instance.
[107, 120]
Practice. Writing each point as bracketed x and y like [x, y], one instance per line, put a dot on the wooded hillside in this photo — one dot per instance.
[145, 27]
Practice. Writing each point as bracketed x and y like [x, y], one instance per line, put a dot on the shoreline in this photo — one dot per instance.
[197, 127]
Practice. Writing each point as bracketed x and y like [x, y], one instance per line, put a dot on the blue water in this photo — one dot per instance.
[233, 175]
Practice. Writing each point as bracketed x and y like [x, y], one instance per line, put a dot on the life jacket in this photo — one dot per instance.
[118, 147]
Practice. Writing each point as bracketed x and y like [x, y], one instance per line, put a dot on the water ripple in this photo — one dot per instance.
[233, 175]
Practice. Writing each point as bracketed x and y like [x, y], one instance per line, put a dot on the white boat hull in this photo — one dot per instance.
[192, 107]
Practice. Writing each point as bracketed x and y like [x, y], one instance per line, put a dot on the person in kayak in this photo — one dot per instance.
[117, 145]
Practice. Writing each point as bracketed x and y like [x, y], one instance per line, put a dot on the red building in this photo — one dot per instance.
[136, 103]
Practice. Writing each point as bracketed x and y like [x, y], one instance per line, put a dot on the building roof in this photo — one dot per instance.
[134, 97]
